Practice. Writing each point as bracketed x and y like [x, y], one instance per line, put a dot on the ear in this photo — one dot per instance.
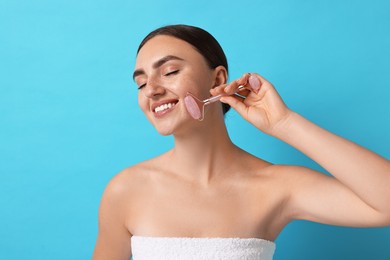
[221, 76]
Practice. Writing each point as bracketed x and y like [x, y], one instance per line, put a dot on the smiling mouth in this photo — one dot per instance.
[164, 108]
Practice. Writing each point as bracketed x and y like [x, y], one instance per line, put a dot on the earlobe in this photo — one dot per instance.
[221, 76]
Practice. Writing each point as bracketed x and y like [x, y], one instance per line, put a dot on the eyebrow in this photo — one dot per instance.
[157, 64]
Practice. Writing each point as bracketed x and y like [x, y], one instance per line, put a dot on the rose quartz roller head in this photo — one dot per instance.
[196, 107]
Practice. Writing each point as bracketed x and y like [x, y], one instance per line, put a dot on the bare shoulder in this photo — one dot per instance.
[130, 179]
[122, 192]
[113, 240]
[293, 178]
[117, 191]
[291, 172]
[261, 168]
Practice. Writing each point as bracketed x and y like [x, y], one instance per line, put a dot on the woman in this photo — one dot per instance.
[208, 199]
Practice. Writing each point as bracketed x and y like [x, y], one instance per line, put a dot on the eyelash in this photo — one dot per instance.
[172, 73]
[167, 74]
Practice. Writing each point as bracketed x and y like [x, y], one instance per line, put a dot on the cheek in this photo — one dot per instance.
[186, 84]
[142, 102]
[199, 87]
[197, 83]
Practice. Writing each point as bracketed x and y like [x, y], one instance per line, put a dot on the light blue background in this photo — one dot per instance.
[69, 119]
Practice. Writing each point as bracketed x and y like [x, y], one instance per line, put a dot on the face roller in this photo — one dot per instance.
[196, 107]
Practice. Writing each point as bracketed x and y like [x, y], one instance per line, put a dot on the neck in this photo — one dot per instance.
[202, 155]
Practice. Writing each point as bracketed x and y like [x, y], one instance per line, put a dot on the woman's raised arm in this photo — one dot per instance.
[362, 184]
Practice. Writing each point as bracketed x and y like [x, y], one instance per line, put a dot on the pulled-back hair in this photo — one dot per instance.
[200, 39]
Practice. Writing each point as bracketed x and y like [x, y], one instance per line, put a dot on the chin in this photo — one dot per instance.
[165, 129]
[173, 128]
[169, 125]
[164, 132]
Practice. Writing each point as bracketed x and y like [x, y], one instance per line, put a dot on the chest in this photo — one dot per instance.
[184, 211]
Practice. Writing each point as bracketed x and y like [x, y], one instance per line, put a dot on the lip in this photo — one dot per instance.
[162, 113]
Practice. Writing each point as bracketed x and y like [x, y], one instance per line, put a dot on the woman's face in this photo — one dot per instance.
[166, 69]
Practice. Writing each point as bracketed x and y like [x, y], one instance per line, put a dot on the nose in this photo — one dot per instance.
[153, 89]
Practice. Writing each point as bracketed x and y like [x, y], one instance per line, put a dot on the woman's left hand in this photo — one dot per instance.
[263, 107]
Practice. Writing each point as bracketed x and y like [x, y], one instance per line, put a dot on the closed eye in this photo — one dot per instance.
[141, 86]
[172, 73]
[167, 74]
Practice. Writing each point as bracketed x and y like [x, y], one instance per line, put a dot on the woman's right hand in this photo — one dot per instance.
[263, 107]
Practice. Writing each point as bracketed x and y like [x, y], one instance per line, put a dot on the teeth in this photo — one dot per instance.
[163, 107]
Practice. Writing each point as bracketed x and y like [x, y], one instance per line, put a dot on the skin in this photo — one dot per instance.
[208, 187]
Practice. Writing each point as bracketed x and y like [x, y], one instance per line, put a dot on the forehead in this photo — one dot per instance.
[163, 45]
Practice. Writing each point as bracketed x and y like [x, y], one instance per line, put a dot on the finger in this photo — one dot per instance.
[260, 77]
[244, 79]
[235, 84]
[231, 88]
[218, 90]
[254, 83]
[239, 98]
[236, 103]
[265, 86]
[250, 81]
[243, 92]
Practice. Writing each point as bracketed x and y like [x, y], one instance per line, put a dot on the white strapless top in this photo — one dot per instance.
[186, 248]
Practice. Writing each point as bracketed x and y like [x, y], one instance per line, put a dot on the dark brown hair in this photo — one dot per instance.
[200, 39]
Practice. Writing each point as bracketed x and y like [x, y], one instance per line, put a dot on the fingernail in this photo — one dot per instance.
[254, 82]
